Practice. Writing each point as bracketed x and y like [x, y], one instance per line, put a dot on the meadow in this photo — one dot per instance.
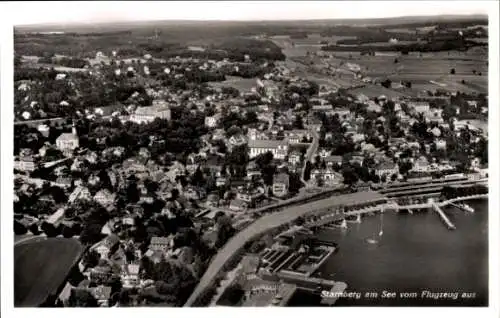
[41, 267]
[241, 84]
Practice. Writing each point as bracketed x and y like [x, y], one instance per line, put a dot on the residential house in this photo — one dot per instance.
[64, 181]
[102, 294]
[387, 169]
[155, 256]
[298, 136]
[56, 218]
[357, 159]
[77, 165]
[249, 195]
[25, 163]
[238, 205]
[106, 245]
[212, 200]
[105, 198]
[279, 148]
[333, 161]
[419, 107]
[100, 273]
[93, 180]
[221, 181]
[327, 175]
[343, 113]
[253, 170]
[475, 163]
[314, 123]
[162, 244]
[281, 184]
[358, 138]
[421, 165]
[323, 108]
[440, 144]
[92, 157]
[194, 193]
[144, 153]
[150, 113]
[254, 134]
[294, 158]
[323, 153]
[212, 121]
[67, 142]
[434, 117]
[130, 276]
[374, 107]
[235, 141]
[218, 134]
[79, 193]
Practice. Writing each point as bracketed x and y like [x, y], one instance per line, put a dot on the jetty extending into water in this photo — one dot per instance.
[443, 216]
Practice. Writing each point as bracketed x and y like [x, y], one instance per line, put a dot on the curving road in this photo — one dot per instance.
[313, 148]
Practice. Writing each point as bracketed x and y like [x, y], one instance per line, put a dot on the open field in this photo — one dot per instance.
[372, 91]
[433, 65]
[300, 47]
[242, 84]
[402, 30]
[40, 268]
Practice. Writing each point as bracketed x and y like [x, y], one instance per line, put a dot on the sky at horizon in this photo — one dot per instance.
[27, 13]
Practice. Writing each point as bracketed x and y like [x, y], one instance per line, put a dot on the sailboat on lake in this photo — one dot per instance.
[381, 232]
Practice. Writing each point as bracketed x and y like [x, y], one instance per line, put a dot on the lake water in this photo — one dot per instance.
[416, 253]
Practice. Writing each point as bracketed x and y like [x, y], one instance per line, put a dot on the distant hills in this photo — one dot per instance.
[169, 24]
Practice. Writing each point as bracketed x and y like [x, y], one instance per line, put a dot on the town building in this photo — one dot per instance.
[67, 142]
[106, 245]
[105, 198]
[249, 196]
[343, 113]
[440, 144]
[236, 141]
[421, 165]
[420, 107]
[387, 169]
[294, 158]
[130, 275]
[279, 148]
[212, 121]
[333, 161]
[79, 193]
[281, 184]
[25, 163]
[298, 136]
[327, 175]
[162, 244]
[150, 113]
[102, 294]
[238, 205]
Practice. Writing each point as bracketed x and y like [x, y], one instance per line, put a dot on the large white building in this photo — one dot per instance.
[67, 142]
[420, 107]
[150, 113]
[279, 148]
[212, 121]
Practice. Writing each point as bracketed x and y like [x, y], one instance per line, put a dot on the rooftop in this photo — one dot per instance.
[266, 143]
[67, 136]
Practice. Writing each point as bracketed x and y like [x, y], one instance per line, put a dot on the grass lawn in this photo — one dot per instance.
[41, 267]
[242, 84]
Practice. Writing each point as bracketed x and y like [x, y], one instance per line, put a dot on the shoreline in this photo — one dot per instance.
[400, 302]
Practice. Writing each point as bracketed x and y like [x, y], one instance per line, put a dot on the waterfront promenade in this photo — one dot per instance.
[267, 223]
[322, 211]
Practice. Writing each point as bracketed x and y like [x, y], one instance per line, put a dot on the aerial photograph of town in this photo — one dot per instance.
[289, 163]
